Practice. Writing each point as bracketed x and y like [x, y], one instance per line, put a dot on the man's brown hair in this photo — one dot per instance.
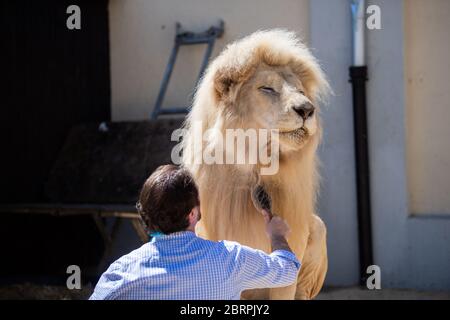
[167, 198]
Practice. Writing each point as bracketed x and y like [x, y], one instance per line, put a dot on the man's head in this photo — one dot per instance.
[169, 200]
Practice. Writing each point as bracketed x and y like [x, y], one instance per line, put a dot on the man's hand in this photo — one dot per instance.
[275, 226]
[277, 229]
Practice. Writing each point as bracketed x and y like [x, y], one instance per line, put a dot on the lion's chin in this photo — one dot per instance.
[294, 140]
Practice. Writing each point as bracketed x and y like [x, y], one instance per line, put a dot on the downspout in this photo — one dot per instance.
[358, 78]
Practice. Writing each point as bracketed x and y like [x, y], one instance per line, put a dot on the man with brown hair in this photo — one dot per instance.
[176, 264]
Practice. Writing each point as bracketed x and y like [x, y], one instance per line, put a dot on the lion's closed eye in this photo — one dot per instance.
[268, 90]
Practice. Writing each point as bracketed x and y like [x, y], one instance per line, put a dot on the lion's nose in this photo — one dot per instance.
[305, 110]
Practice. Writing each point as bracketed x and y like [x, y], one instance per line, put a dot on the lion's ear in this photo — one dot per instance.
[223, 82]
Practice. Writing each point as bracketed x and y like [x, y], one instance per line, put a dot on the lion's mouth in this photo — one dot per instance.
[296, 134]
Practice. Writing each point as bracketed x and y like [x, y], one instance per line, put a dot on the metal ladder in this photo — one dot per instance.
[186, 38]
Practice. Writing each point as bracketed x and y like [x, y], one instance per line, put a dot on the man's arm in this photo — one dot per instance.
[256, 269]
[279, 243]
[276, 229]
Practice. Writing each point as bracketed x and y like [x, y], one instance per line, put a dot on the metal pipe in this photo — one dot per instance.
[358, 78]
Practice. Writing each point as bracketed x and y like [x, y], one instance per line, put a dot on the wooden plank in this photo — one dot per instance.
[67, 209]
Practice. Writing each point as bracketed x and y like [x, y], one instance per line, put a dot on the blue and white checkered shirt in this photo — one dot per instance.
[183, 266]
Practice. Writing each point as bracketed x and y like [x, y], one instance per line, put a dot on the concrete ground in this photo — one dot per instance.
[30, 291]
[358, 293]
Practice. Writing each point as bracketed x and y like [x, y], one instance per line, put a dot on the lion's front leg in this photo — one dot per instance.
[284, 293]
[315, 262]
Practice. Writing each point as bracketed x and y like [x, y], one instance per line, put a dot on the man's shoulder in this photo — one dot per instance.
[222, 245]
[229, 246]
[143, 251]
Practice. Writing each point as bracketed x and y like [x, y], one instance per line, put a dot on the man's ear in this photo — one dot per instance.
[191, 216]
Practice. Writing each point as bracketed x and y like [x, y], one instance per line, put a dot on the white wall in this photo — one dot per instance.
[411, 250]
[427, 72]
[330, 23]
[142, 36]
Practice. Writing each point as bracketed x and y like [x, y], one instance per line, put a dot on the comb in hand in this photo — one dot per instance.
[261, 200]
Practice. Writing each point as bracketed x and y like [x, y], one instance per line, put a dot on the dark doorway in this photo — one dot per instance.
[53, 79]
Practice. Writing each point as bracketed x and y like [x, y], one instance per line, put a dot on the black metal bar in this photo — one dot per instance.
[186, 38]
[193, 41]
[172, 111]
[165, 82]
[205, 61]
[358, 78]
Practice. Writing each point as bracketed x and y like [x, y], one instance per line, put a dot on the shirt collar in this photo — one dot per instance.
[174, 235]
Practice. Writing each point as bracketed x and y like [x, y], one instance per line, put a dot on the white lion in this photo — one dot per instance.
[268, 80]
